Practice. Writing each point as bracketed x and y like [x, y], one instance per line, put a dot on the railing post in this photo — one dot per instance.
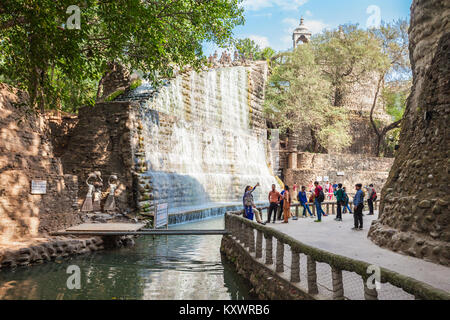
[296, 211]
[242, 234]
[251, 239]
[328, 208]
[280, 256]
[370, 294]
[269, 258]
[295, 266]
[259, 236]
[313, 209]
[338, 285]
[333, 209]
[312, 275]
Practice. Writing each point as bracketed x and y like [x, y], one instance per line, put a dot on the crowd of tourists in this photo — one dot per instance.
[280, 202]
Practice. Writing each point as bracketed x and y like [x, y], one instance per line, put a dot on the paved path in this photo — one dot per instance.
[337, 237]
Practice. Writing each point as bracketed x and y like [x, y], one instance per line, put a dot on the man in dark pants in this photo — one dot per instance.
[358, 205]
[371, 194]
[280, 208]
[339, 194]
[274, 200]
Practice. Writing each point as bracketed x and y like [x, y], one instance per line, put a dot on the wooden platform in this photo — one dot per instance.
[106, 227]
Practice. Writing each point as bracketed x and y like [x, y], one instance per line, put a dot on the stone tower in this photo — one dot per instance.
[414, 213]
[301, 34]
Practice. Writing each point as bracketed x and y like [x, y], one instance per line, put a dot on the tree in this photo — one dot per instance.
[249, 49]
[347, 55]
[394, 40]
[297, 96]
[152, 36]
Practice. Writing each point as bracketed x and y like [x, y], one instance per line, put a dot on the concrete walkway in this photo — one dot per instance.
[337, 237]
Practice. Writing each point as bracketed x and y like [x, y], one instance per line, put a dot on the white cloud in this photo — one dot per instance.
[262, 41]
[255, 5]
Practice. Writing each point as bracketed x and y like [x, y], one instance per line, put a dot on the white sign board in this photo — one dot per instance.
[319, 179]
[162, 215]
[340, 173]
[325, 178]
[38, 186]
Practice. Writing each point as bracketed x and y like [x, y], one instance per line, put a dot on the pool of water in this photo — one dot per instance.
[160, 267]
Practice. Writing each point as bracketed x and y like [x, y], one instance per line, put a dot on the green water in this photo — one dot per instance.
[163, 267]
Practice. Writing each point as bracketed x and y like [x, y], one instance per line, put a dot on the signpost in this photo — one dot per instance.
[326, 179]
[38, 186]
[162, 216]
[319, 179]
[340, 173]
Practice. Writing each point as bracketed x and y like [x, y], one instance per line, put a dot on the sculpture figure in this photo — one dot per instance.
[110, 204]
[87, 204]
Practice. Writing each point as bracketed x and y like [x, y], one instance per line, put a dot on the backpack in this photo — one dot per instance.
[321, 197]
[374, 195]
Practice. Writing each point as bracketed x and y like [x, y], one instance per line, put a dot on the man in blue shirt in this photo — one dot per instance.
[303, 199]
[358, 205]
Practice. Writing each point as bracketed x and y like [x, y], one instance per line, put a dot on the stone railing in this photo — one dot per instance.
[397, 286]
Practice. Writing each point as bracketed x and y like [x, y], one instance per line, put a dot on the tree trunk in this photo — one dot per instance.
[372, 121]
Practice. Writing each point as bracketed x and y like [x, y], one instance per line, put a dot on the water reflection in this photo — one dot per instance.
[175, 267]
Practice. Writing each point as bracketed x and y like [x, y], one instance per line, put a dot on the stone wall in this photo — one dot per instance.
[356, 168]
[101, 141]
[414, 214]
[26, 154]
[267, 285]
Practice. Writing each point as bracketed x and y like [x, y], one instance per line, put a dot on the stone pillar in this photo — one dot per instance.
[370, 294]
[415, 200]
[295, 266]
[251, 239]
[280, 256]
[312, 275]
[338, 285]
[259, 237]
[292, 160]
[269, 255]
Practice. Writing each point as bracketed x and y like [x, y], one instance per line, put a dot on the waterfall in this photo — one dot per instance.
[200, 144]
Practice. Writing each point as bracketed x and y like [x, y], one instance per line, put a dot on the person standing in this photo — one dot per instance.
[286, 204]
[302, 198]
[358, 205]
[311, 187]
[371, 197]
[280, 208]
[346, 201]
[330, 191]
[294, 190]
[274, 200]
[339, 193]
[248, 201]
[319, 196]
[335, 185]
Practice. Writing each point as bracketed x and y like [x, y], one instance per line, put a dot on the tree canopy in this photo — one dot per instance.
[40, 53]
[298, 96]
[249, 49]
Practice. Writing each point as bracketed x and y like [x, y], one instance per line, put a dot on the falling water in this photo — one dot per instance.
[200, 145]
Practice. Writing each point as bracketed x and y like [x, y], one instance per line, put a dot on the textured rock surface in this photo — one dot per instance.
[414, 214]
[356, 168]
[26, 154]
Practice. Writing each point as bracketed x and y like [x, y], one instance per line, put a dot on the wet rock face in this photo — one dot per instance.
[414, 217]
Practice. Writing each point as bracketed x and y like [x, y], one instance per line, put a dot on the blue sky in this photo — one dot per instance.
[271, 22]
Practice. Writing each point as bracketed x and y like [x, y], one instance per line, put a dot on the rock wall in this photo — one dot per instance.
[356, 169]
[26, 154]
[415, 216]
[101, 141]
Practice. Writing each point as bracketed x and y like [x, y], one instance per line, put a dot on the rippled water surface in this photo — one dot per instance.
[175, 267]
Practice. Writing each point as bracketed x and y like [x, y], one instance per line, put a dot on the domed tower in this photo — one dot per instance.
[301, 34]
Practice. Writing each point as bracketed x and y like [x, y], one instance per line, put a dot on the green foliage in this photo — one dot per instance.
[136, 83]
[395, 99]
[298, 96]
[249, 49]
[152, 36]
[347, 55]
[114, 95]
